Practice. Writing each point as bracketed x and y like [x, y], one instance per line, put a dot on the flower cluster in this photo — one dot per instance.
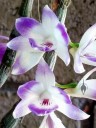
[41, 96]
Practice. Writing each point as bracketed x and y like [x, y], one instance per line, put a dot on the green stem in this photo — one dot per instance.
[26, 8]
[74, 45]
[71, 85]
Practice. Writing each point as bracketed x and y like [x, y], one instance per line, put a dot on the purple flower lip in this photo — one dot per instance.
[41, 111]
[42, 47]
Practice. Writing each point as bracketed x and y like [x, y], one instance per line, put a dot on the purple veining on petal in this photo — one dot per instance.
[89, 57]
[26, 88]
[66, 98]
[2, 50]
[41, 111]
[63, 33]
[25, 25]
[43, 47]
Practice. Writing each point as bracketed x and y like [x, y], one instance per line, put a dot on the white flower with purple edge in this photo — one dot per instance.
[89, 86]
[37, 38]
[41, 97]
[86, 52]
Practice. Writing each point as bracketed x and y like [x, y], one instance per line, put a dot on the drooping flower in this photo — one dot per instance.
[51, 121]
[86, 88]
[2, 46]
[86, 53]
[37, 38]
[41, 97]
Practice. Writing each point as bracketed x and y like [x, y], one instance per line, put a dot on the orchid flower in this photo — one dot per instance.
[86, 53]
[37, 38]
[2, 46]
[85, 88]
[51, 121]
[41, 97]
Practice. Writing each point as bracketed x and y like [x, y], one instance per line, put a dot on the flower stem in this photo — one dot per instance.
[71, 85]
[74, 45]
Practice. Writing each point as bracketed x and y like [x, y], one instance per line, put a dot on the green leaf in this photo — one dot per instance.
[71, 85]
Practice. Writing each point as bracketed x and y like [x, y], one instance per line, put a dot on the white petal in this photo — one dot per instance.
[44, 74]
[49, 19]
[21, 109]
[30, 89]
[51, 121]
[87, 61]
[59, 94]
[20, 43]
[90, 49]
[62, 52]
[62, 45]
[25, 61]
[78, 66]
[44, 124]
[72, 111]
[88, 35]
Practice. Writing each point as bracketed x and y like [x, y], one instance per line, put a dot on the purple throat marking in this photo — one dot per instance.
[46, 102]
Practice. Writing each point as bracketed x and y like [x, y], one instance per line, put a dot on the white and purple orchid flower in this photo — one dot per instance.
[37, 38]
[41, 97]
[86, 53]
[86, 88]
